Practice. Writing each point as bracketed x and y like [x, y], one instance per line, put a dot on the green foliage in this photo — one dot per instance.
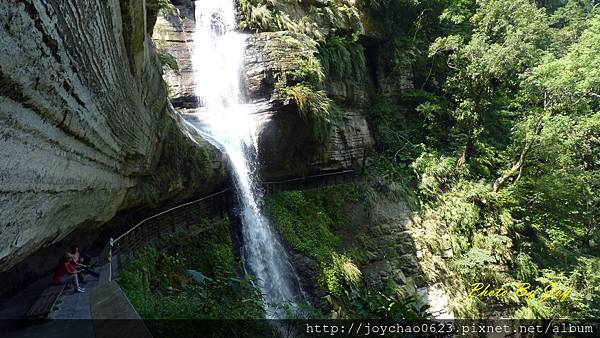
[571, 82]
[270, 16]
[340, 274]
[395, 150]
[480, 263]
[519, 93]
[167, 60]
[306, 18]
[308, 70]
[343, 58]
[583, 301]
[435, 172]
[526, 268]
[305, 24]
[190, 278]
[302, 84]
[502, 89]
[507, 39]
[364, 303]
[164, 4]
[314, 107]
[569, 21]
[305, 219]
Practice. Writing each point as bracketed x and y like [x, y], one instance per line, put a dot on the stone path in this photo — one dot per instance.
[76, 305]
[69, 318]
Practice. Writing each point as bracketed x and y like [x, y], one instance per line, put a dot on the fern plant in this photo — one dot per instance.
[343, 58]
[314, 107]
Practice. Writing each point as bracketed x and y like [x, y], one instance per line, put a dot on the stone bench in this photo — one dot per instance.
[46, 301]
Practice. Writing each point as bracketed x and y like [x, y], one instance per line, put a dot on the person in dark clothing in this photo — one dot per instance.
[81, 263]
[66, 272]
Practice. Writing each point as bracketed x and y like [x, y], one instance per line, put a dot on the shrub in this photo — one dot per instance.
[190, 278]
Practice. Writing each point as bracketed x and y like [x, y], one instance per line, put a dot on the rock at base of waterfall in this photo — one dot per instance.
[435, 296]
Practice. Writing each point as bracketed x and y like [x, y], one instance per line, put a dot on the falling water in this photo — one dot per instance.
[225, 120]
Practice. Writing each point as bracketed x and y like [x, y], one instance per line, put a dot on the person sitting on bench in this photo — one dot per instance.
[66, 272]
[82, 262]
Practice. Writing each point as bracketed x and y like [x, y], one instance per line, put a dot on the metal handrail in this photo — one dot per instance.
[337, 173]
[109, 249]
[168, 210]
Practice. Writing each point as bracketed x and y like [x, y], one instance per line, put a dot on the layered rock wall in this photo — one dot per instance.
[85, 125]
[285, 140]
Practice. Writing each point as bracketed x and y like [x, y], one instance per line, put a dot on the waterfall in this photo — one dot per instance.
[224, 120]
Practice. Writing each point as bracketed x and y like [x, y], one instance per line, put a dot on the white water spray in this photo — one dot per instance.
[225, 121]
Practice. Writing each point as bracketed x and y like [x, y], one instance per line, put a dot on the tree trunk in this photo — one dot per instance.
[467, 153]
[518, 167]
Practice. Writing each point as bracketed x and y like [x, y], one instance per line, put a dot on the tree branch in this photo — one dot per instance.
[518, 167]
[515, 168]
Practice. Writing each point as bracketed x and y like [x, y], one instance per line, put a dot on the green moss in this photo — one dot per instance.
[167, 60]
[305, 226]
[306, 219]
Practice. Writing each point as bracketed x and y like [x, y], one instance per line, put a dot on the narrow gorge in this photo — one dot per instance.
[301, 159]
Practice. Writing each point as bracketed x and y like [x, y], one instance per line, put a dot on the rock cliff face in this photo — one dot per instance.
[85, 125]
[173, 37]
[285, 141]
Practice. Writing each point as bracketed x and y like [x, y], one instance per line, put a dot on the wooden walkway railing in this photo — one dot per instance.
[183, 216]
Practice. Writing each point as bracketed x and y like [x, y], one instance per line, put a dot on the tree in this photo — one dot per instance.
[507, 40]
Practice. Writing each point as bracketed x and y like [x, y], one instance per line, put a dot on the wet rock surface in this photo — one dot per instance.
[286, 142]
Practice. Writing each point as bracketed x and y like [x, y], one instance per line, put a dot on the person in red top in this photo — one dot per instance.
[66, 271]
[81, 262]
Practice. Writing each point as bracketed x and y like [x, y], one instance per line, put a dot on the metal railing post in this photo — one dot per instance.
[110, 249]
